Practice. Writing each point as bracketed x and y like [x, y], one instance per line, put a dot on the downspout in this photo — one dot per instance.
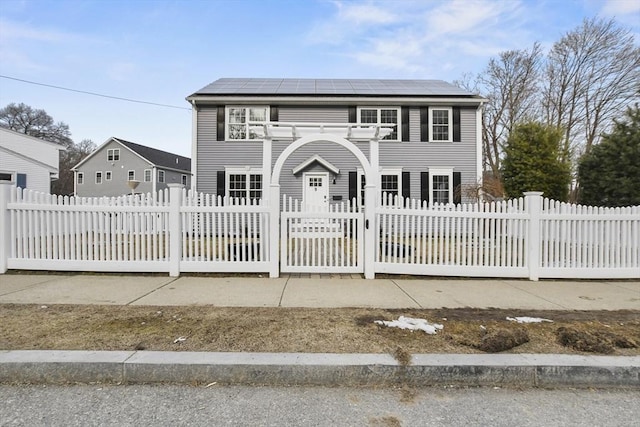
[479, 145]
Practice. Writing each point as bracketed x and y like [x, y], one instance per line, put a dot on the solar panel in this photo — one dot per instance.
[271, 86]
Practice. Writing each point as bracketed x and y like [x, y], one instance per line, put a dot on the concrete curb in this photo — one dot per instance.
[137, 367]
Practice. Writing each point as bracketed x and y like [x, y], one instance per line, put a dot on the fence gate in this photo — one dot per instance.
[314, 240]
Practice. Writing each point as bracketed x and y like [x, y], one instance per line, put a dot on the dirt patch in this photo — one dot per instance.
[225, 329]
[503, 339]
[388, 421]
[604, 342]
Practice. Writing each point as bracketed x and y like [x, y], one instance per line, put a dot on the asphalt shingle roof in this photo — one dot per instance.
[159, 157]
[363, 87]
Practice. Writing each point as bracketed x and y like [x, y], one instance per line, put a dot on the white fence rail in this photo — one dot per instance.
[314, 240]
[182, 231]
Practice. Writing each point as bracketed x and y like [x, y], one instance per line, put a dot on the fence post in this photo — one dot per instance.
[5, 224]
[175, 233]
[274, 230]
[533, 207]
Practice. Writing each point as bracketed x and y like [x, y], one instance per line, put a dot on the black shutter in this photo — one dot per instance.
[353, 186]
[425, 191]
[220, 184]
[273, 113]
[220, 123]
[457, 187]
[353, 114]
[405, 123]
[456, 124]
[424, 124]
[406, 185]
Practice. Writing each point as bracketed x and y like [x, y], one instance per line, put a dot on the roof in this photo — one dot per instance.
[158, 157]
[355, 87]
[152, 155]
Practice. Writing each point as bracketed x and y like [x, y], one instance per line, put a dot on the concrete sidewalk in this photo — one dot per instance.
[320, 291]
[131, 367]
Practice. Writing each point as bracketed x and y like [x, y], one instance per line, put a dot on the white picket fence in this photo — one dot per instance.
[182, 231]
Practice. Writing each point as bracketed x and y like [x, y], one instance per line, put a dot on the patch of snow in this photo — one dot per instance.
[179, 339]
[411, 324]
[526, 319]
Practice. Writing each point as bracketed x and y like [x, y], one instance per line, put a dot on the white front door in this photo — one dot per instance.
[316, 191]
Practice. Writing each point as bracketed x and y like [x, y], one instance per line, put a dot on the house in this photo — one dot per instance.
[433, 150]
[117, 163]
[27, 161]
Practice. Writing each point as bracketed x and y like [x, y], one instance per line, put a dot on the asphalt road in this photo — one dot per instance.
[99, 405]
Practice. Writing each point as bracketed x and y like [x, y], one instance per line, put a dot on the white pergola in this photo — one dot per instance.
[343, 134]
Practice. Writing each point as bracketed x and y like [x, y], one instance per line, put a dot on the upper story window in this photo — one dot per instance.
[80, 178]
[160, 176]
[147, 175]
[131, 175]
[382, 115]
[113, 154]
[238, 119]
[440, 124]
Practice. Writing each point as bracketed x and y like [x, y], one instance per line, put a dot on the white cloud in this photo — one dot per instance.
[415, 36]
[620, 7]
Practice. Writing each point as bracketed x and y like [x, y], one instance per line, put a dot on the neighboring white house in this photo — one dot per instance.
[27, 161]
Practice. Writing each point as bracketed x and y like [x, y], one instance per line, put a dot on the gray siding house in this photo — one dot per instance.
[107, 171]
[432, 154]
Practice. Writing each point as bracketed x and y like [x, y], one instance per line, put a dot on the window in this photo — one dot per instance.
[98, 177]
[238, 118]
[107, 175]
[80, 178]
[184, 180]
[441, 185]
[382, 115]
[440, 121]
[390, 183]
[113, 154]
[131, 176]
[243, 183]
[147, 175]
[160, 176]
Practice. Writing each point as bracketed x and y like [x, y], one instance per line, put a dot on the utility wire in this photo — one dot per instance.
[95, 94]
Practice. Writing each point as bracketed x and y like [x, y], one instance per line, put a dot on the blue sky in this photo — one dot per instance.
[162, 51]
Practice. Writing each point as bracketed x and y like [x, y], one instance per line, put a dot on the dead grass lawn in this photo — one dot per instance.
[207, 328]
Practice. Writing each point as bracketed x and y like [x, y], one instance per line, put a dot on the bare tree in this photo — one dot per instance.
[510, 83]
[25, 119]
[592, 75]
[74, 154]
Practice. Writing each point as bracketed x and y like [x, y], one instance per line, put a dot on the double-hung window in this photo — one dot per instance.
[107, 175]
[160, 176]
[184, 180]
[239, 120]
[390, 183]
[131, 175]
[113, 154]
[244, 183]
[147, 175]
[98, 177]
[441, 185]
[440, 124]
[382, 115]
[80, 178]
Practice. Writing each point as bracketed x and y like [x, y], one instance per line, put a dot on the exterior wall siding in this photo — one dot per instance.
[414, 156]
[38, 177]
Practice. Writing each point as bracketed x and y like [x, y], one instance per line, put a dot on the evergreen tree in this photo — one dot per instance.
[532, 162]
[610, 173]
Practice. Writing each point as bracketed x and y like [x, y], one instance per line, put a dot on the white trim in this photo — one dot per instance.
[248, 131]
[448, 172]
[129, 178]
[194, 145]
[144, 175]
[316, 158]
[325, 176]
[398, 123]
[382, 171]
[479, 175]
[96, 177]
[112, 152]
[108, 175]
[450, 123]
[247, 171]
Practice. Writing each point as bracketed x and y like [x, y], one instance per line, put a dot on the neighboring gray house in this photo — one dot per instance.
[27, 161]
[433, 152]
[107, 170]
